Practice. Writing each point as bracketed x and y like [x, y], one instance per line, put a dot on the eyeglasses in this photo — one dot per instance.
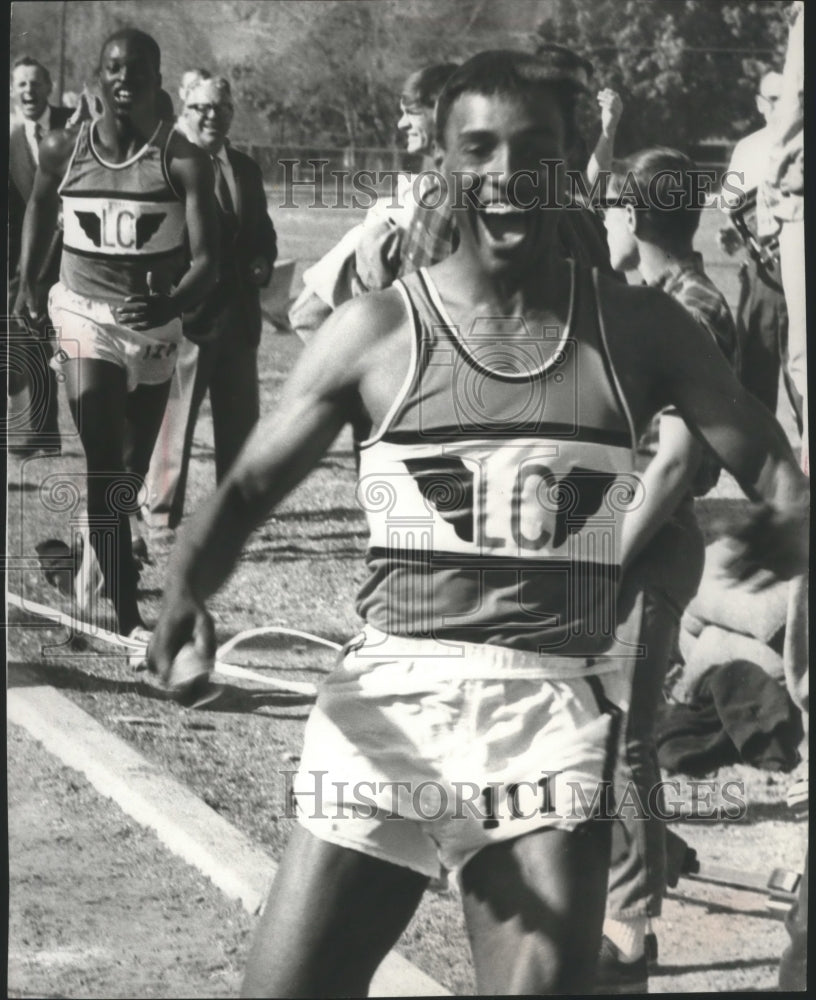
[202, 110]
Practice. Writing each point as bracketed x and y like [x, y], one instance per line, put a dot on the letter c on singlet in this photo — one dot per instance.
[531, 509]
[128, 237]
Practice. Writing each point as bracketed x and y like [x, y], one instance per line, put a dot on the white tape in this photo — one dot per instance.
[130, 646]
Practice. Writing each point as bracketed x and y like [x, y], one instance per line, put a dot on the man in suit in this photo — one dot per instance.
[227, 325]
[32, 419]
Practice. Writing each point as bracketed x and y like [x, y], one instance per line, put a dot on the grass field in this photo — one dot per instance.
[301, 570]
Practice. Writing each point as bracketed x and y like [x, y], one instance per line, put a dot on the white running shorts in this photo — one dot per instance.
[87, 328]
[410, 761]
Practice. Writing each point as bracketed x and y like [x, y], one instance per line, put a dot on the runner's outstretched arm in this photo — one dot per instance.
[687, 369]
[319, 398]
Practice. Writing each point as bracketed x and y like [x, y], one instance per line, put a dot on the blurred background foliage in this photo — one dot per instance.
[330, 73]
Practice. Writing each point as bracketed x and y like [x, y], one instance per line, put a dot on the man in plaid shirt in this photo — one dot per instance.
[662, 546]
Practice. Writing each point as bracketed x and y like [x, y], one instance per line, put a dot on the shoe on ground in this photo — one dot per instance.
[619, 978]
[137, 660]
[57, 564]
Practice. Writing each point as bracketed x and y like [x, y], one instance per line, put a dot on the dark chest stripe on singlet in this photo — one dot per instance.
[453, 434]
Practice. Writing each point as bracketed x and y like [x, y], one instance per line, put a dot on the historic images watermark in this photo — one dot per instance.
[553, 185]
[549, 794]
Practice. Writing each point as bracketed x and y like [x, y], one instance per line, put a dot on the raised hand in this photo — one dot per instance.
[611, 110]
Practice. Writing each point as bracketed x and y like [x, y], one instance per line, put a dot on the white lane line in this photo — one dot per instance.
[185, 824]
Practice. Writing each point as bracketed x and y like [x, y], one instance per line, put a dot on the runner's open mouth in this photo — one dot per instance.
[506, 226]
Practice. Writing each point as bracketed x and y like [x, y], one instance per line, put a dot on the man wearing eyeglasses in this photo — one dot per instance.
[226, 327]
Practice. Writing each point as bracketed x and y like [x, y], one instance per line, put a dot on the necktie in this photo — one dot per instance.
[222, 191]
[38, 134]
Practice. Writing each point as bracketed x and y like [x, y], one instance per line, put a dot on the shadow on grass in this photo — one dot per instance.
[758, 812]
[221, 697]
[230, 699]
[712, 907]
[724, 966]
[63, 677]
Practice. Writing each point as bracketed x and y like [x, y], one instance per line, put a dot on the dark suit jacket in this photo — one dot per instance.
[21, 181]
[233, 309]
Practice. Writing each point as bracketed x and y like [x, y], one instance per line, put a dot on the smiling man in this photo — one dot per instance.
[496, 398]
[38, 428]
[130, 188]
[226, 325]
[368, 257]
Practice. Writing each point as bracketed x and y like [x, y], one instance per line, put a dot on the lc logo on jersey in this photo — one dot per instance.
[120, 229]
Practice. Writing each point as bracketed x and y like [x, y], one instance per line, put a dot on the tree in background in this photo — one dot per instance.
[686, 69]
[330, 73]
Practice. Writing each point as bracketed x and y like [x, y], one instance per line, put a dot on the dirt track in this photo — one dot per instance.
[98, 907]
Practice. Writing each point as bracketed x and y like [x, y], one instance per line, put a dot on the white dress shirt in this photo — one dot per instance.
[750, 159]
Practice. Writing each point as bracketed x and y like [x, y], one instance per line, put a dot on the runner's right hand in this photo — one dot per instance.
[182, 620]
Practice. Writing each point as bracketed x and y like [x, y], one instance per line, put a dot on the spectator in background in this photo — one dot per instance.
[226, 326]
[785, 189]
[368, 256]
[762, 318]
[662, 544]
[32, 417]
[604, 152]
[189, 79]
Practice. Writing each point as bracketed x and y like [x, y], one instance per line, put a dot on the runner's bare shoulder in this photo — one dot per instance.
[179, 147]
[364, 334]
[55, 151]
[183, 157]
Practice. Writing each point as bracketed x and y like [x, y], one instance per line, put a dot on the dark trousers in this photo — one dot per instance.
[228, 370]
[762, 328]
[668, 572]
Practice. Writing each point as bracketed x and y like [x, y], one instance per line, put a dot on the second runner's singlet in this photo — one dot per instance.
[121, 221]
[496, 487]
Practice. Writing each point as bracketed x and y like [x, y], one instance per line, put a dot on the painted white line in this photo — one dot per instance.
[185, 824]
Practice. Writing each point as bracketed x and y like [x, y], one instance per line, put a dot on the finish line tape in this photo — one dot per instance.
[133, 646]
